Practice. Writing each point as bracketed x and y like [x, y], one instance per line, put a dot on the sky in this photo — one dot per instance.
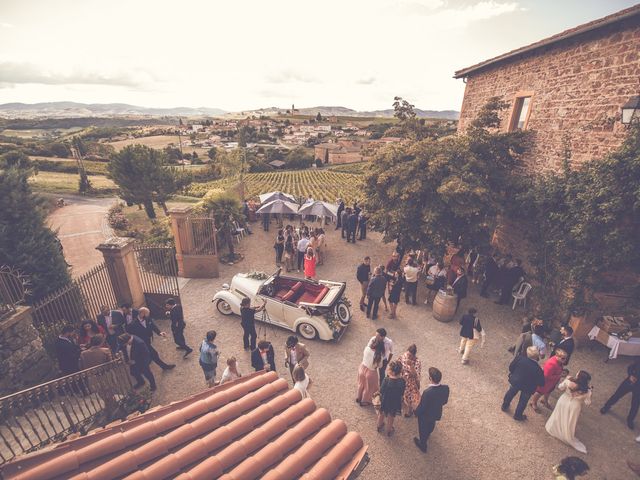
[248, 54]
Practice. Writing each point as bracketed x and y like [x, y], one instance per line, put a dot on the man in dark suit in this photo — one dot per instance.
[113, 323]
[429, 410]
[490, 274]
[67, 351]
[263, 357]
[352, 226]
[144, 327]
[174, 312]
[629, 384]
[339, 214]
[460, 286]
[136, 354]
[525, 375]
[344, 221]
[567, 344]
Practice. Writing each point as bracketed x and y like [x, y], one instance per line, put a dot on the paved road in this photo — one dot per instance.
[81, 226]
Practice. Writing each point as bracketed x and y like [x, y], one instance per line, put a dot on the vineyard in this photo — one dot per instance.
[319, 184]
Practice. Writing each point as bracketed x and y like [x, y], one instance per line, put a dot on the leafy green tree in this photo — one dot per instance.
[225, 208]
[26, 242]
[433, 192]
[318, 117]
[299, 158]
[403, 110]
[142, 177]
[212, 153]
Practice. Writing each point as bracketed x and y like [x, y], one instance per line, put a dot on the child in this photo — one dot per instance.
[231, 372]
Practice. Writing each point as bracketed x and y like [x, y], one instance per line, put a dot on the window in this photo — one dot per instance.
[520, 113]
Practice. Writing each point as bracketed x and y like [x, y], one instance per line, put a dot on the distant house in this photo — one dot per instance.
[346, 151]
[568, 88]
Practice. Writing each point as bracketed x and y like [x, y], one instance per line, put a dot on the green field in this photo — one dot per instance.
[57, 182]
[325, 184]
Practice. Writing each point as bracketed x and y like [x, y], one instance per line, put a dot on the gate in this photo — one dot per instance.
[158, 275]
[79, 300]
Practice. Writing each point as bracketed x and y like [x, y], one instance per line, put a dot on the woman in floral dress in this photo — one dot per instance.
[411, 367]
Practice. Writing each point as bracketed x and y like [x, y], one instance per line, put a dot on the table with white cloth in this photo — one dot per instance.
[616, 345]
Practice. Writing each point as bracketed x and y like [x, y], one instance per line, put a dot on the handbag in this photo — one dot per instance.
[476, 333]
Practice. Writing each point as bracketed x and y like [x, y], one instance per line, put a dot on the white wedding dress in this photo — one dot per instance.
[563, 420]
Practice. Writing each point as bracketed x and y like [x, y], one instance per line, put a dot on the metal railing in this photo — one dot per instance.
[13, 288]
[197, 236]
[49, 412]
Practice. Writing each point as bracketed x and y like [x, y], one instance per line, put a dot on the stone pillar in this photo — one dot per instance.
[23, 360]
[191, 263]
[123, 270]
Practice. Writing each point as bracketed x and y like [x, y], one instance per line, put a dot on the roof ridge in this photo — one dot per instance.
[565, 34]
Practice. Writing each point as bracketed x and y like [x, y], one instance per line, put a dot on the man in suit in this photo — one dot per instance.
[263, 357]
[113, 323]
[174, 312]
[344, 221]
[352, 227]
[567, 343]
[375, 291]
[460, 286]
[512, 276]
[490, 274]
[144, 327]
[295, 353]
[363, 274]
[429, 410]
[631, 384]
[136, 354]
[67, 351]
[339, 214]
[524, 377]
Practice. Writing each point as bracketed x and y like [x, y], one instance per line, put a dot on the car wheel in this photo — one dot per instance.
[308, 331]
[343, 313]
[224, 307]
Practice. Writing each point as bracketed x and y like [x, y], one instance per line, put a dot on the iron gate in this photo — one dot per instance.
[158, 275]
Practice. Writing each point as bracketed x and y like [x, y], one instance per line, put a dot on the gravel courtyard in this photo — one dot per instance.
[474, 440]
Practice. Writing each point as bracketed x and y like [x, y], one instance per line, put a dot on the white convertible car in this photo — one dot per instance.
[313, 309]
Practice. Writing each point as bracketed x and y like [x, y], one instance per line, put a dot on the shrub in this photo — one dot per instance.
[117, 219]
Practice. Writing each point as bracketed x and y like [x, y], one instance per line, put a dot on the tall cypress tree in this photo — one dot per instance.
[26, 242]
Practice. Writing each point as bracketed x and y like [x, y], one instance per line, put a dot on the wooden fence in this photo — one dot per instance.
[47, 413]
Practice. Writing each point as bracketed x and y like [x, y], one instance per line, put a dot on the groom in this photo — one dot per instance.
[525, 375]
[429, 411]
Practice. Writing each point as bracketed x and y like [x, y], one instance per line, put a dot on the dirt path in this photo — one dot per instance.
[81, 226]
[474, 440]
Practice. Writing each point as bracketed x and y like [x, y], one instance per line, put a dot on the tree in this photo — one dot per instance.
[142, 177]
[26, 242]
[434, 192]
[318, 117]
[299, 158]
[225, 208]
[212, 153]
[403, 110]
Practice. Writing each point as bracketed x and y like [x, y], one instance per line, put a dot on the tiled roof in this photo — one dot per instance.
[254, 427]
[572, 32]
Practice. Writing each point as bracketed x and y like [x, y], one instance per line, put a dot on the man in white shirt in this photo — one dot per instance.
[381, 335]
[302, 249]
[411, 281]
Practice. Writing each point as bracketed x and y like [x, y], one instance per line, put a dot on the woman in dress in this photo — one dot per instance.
[88, 329]
[391, 394]
[289, 249]
[553, 370]
[563, 420]
[232, 372]
[302, 381]
[310, 264]
[411, 368]
[368, 376]
[569, 468]
[279, 246]
[396, 281]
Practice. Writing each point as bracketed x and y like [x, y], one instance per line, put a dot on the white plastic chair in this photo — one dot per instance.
[240, 230]
[521, 295]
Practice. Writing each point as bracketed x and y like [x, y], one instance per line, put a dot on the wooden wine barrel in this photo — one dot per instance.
[444, 306]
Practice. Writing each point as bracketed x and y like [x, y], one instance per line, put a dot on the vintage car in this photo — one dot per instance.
[313, 309]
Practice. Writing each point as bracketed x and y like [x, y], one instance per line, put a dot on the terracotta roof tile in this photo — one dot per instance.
[572, 32]
[255, 427]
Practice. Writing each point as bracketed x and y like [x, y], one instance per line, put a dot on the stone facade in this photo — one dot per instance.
[577, 87]
[23, 360]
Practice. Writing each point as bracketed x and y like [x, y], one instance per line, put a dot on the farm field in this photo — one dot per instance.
[160, 142]
[57, 182]
[319, 184]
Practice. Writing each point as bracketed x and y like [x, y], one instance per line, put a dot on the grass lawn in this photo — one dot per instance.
[56, 182]
[160, 142]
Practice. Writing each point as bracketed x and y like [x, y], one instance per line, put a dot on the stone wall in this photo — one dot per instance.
[578, 87]
[23, 360]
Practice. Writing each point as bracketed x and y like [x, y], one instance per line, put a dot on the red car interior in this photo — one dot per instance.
[295, 291]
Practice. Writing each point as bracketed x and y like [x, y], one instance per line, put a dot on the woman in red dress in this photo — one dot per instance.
[553, 372]
[310, 264]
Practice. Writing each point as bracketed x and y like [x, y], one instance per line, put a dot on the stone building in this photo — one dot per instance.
[568, 89]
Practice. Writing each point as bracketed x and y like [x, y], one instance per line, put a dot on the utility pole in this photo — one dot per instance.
[180, 141]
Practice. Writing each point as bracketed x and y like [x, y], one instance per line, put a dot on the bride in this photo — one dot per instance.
[562, 422]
